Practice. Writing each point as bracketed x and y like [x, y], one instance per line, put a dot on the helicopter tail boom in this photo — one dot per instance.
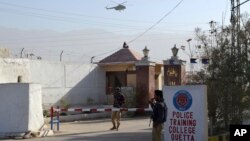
[109, 8]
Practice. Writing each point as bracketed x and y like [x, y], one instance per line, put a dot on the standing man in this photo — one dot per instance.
[119, 101]
[159, 115]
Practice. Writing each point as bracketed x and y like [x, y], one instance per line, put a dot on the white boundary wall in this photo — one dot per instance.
[20, 108]
[75, 83]
[10, 69]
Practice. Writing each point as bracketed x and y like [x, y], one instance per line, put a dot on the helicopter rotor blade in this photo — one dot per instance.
[123, 2]
[115, 2]
[118, 3]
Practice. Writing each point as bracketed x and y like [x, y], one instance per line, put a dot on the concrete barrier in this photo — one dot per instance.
[20, 109]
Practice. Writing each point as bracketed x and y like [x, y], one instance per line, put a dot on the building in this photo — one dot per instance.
[128, 68]
[77, 84]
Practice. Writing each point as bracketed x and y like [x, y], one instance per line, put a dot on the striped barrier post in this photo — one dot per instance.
[104, 109]
[51, 117]
[224, 137]
[57, 119]
[93, 110]
[52, 121]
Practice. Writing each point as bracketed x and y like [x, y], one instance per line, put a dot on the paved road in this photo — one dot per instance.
[136, 129]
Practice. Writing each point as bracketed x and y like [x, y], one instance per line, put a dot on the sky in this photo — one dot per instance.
[81, 29]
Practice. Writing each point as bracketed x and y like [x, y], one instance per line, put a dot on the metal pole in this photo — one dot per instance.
[21, 55]
[191, 55]
[92, 59]
[57, 117]
[51, 118]
[61, 56]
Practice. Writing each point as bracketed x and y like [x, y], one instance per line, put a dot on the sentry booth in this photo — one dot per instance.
[187, 113]
[20, 109]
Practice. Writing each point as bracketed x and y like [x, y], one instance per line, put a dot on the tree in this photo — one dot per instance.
[228, 75]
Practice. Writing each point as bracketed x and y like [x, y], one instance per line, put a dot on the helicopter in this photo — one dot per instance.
[119, 7]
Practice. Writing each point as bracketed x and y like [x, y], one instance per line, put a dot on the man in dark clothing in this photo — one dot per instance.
[119, 101]
[159, 115]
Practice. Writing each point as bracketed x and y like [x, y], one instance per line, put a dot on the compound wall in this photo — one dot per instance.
[68, 83]
[72, 83]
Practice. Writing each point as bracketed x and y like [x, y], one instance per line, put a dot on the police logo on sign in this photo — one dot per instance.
[239, 132]
[182, 100]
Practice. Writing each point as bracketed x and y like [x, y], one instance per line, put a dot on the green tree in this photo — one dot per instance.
[227, 75]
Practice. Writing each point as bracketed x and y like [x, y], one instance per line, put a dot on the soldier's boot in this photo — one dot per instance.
[114, 127]
[118, 124]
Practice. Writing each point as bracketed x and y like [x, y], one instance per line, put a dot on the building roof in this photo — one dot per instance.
[122, 56]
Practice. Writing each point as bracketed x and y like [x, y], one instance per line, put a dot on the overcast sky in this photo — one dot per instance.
[85, 28]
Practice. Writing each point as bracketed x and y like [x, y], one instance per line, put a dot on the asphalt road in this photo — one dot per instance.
[131, 129]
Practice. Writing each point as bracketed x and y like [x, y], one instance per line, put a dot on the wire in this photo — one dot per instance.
[64, 19]
[106, 52]
[157, 22]
[70, 13]
[80, 36]
[240, 4]
[79, 40]
[71, 20]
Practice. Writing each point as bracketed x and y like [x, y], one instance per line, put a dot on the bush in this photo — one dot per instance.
[46, 113]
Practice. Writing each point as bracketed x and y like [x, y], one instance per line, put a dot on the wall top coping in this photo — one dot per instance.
[145, 63]
[174, 61]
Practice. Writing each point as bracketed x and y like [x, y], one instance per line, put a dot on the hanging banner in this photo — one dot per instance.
[187, 118]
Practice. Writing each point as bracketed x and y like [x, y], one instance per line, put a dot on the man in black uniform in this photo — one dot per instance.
[159, 115]
[119, 101]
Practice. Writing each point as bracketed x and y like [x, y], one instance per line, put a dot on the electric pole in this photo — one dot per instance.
[238, 62]
[235, 24]
[213, 32]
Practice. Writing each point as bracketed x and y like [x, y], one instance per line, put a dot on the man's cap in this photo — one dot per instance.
[159, 93]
